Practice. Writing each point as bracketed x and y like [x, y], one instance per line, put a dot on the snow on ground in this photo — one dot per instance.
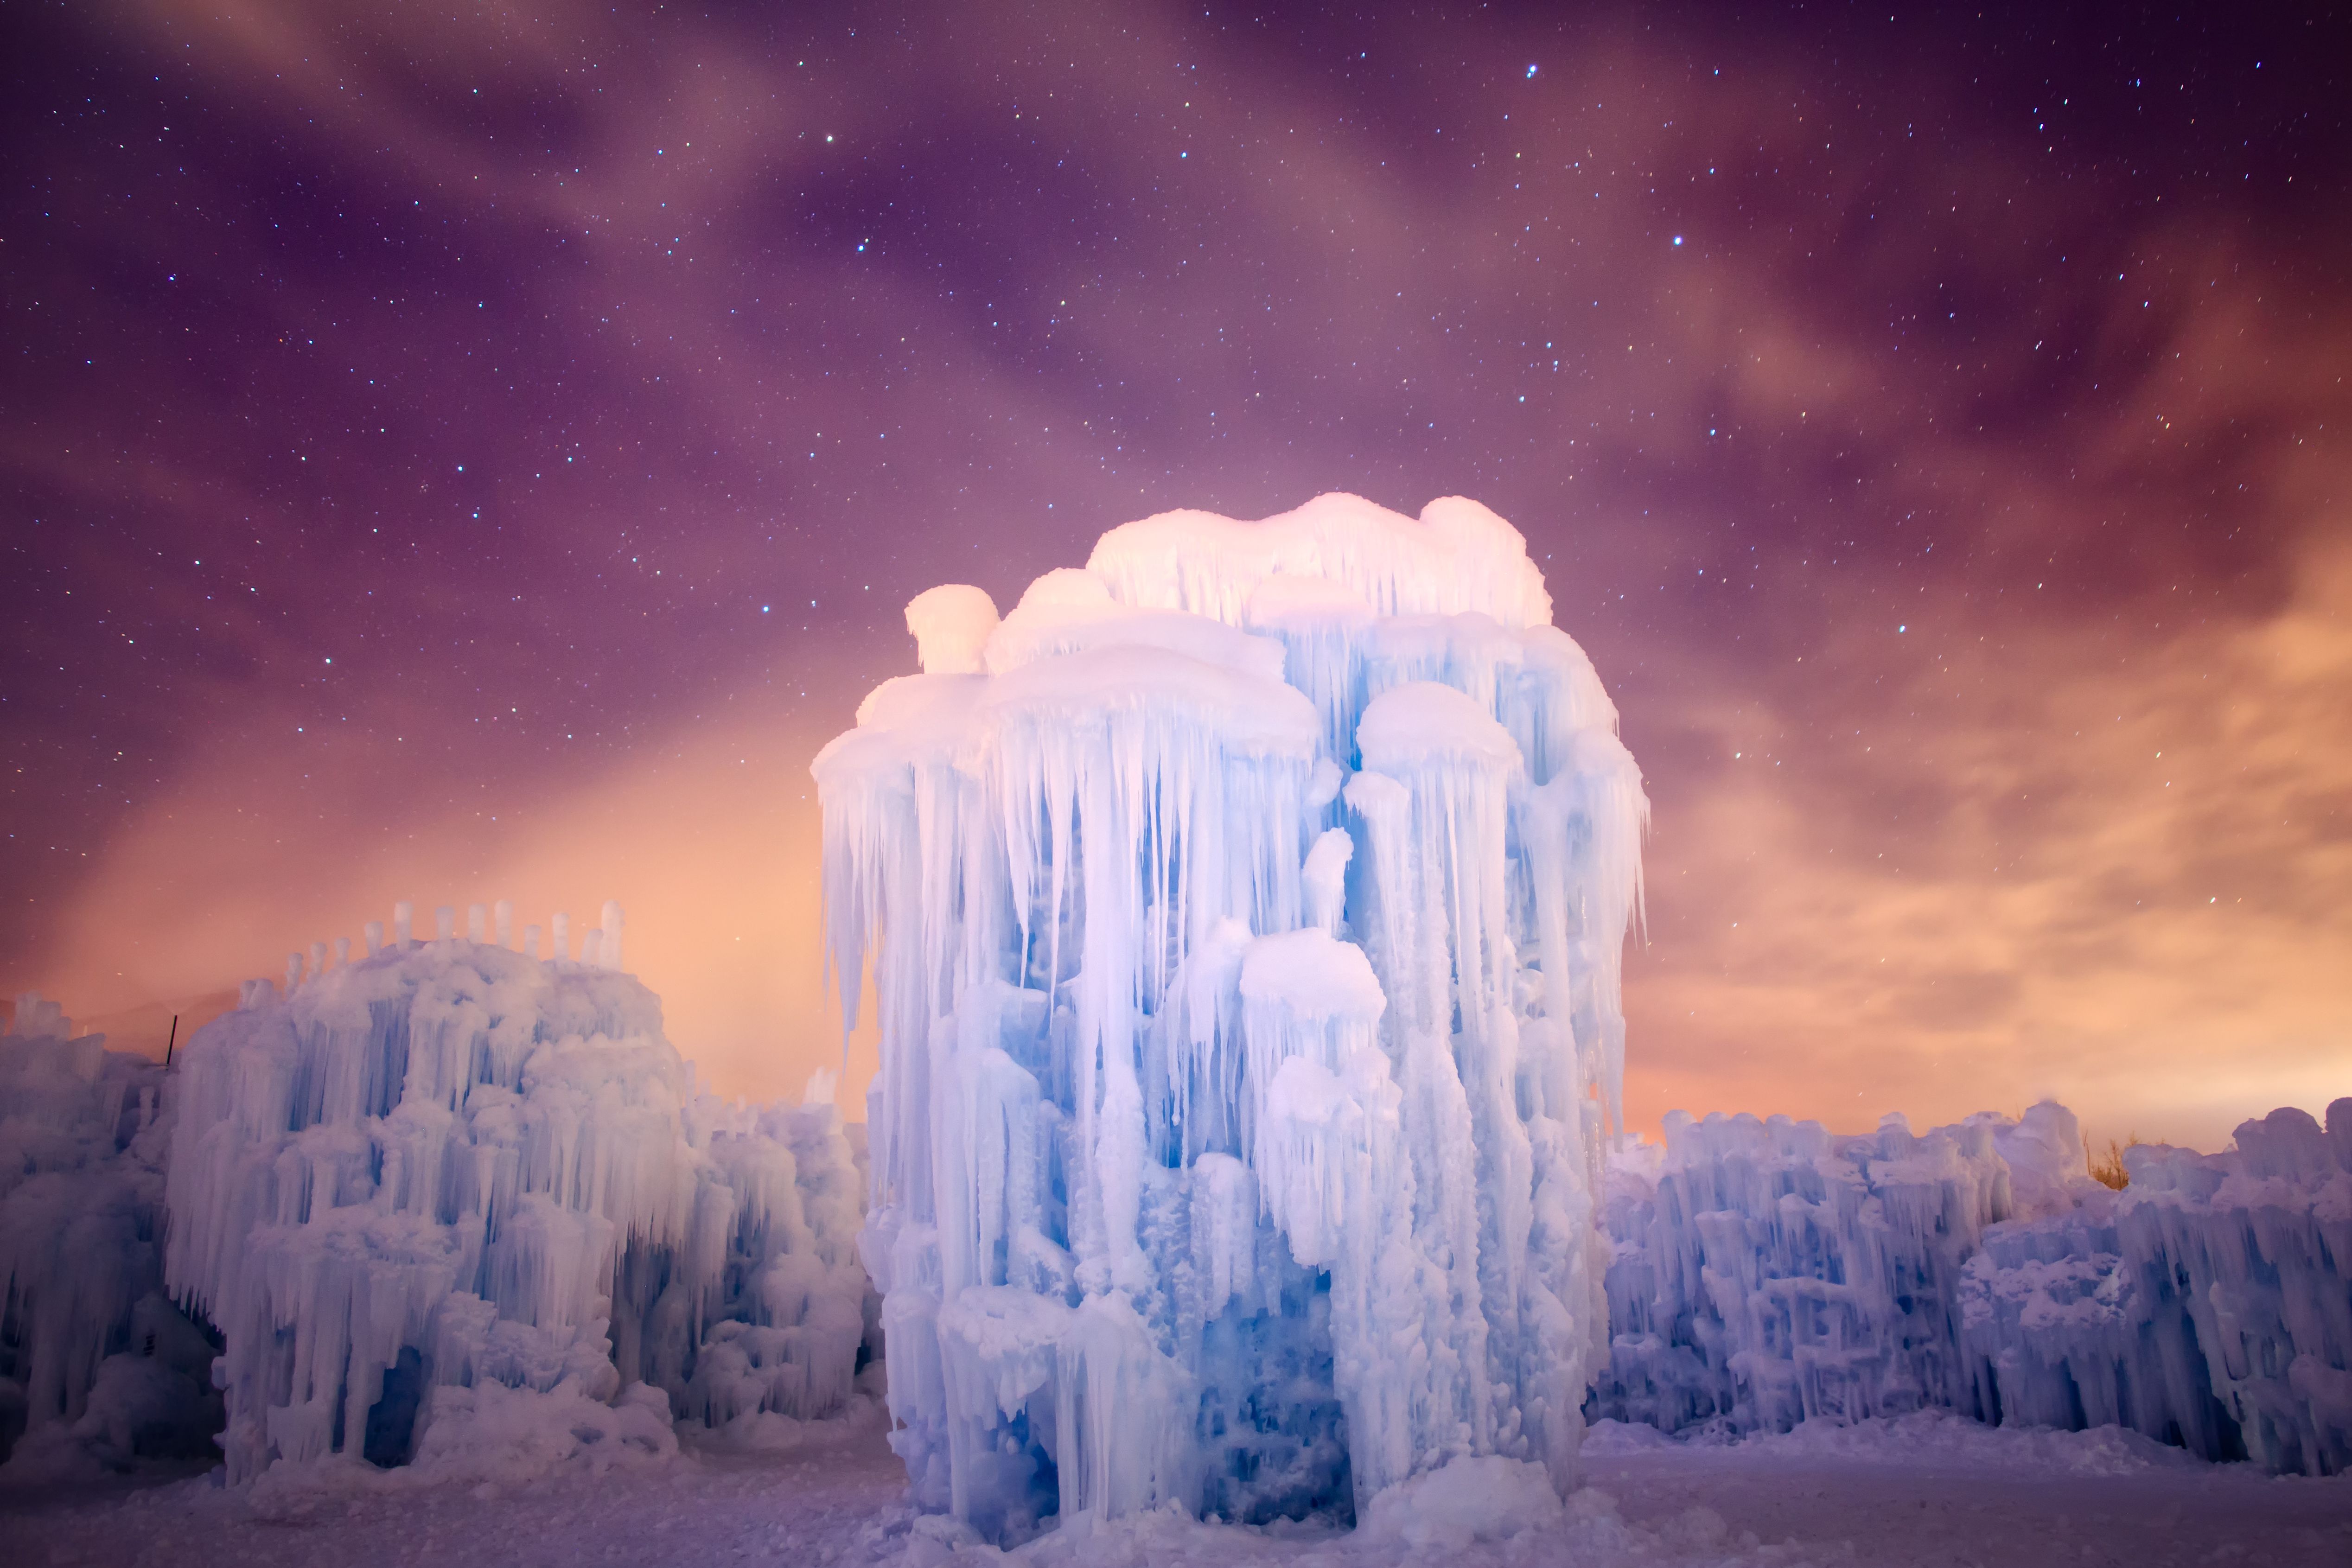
[1919, 1491]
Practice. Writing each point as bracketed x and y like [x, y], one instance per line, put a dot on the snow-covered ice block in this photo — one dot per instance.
[1244, 912]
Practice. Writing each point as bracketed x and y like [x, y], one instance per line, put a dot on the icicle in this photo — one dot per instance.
[1326, 878]
[350, 1168]
[609, 951]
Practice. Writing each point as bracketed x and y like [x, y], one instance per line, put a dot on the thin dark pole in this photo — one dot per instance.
[172, 1042]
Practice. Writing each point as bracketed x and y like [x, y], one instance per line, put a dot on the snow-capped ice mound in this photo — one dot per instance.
[1247, 942]
[96, 1368]
[1459, 557]
[1470, 1500]
[452, 1191]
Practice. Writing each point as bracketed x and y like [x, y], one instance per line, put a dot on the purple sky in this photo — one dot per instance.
[471, 456]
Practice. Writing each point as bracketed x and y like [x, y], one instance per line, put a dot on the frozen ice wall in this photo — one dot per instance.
[1245, 912]
[96, 1367]
[1767, 1273]
[2208, 1304]
[451, 1199]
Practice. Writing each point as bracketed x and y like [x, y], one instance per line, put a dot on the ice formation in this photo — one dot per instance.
[2208, 1304]
[452, 1198]
[1767, 1273]
[96, 1367]
[1244, 912]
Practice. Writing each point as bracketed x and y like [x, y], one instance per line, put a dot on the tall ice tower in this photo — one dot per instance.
[1246, 912]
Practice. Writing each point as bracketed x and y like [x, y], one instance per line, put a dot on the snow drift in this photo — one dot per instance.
[1246, 911]
[452, 1199]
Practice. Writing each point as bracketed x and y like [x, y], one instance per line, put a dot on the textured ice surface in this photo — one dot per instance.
[452, 1200]
[96, 1367]
[1245, 912]
[1768, 1274]
[2209, 1303]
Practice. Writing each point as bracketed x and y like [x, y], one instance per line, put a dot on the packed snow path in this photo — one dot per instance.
[1245, 913]
[1925, 1491]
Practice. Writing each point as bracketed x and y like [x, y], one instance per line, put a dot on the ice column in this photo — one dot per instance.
[608, 952]
[1244, 911]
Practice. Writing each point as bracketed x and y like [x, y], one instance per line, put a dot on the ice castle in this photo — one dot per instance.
[1245, 912]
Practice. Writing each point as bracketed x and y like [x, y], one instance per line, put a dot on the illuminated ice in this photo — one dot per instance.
[1767, 1273]
[1244, 912]
[456, 1205]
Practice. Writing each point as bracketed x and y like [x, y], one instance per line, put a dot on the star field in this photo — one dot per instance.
[473, 455]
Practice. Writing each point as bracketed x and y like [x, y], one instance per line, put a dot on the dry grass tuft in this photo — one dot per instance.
[2108, 1169]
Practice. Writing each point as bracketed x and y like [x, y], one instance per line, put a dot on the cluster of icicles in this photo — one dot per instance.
[1246, 914]
[452, 1191]
[599, 945]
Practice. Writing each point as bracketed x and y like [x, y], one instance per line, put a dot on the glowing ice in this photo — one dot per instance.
[1767, 1273]
[452, 1199]
[1244, 912]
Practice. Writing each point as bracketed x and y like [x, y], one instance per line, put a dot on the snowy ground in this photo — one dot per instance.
[1921, 1490]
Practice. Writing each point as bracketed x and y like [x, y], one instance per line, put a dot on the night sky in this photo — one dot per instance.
[460, 453]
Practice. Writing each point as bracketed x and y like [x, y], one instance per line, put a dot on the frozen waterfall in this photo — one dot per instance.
[1246, 911]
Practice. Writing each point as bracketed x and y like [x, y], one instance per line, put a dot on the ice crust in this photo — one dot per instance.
[1245, 915]
[451, 1200]
[1768, 1274]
